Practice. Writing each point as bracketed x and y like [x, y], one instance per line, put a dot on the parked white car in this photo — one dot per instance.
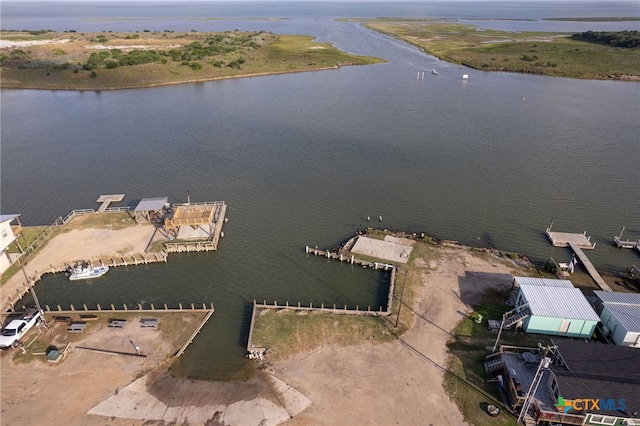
[13, 332]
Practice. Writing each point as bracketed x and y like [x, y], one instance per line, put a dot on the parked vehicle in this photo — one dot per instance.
[13, 332]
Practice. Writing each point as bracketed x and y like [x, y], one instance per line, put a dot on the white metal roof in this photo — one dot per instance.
[627, 315]
[617, 297]
[547, 282]
[150, 204]
[558, 302]
[6, 217]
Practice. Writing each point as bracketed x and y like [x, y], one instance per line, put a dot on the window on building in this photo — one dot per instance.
[602, 420]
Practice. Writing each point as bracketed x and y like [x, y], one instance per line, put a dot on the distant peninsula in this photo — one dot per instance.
[120, 60]
[590, 55]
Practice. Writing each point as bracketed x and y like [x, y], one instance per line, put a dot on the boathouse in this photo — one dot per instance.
[620, 316]
[9, 232]
[554, 307]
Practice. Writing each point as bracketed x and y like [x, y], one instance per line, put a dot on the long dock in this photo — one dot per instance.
[589, 267]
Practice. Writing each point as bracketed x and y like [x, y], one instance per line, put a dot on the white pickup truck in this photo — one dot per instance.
[13, 332]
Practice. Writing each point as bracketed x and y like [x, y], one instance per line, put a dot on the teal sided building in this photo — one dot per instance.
[555, 308]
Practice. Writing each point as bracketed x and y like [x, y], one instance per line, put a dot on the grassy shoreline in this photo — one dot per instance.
[542, 53]
[127, 60]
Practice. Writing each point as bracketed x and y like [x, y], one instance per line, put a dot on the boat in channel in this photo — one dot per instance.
[85, 270]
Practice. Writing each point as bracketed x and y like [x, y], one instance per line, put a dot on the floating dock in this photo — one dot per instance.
[565, 239]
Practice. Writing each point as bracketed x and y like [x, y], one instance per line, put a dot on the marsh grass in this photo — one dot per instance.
[551, 54]
[59, 65]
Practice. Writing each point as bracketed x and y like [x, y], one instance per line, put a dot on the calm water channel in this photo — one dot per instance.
[305, 158]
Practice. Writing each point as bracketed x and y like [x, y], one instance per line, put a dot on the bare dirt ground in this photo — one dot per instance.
[399, 382]
[390, 383]
[78, 245]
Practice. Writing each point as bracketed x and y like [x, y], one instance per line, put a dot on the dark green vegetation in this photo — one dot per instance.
[595, 19]
[554, 54]
[123, 60]
[627, 39]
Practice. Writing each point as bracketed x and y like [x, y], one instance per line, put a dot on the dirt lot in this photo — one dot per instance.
[81, 244]
[399, 382]
[391, 383]
[41, 392]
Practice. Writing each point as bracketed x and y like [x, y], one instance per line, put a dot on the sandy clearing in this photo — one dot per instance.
[9, 43]
[79, 245]
[398, 382]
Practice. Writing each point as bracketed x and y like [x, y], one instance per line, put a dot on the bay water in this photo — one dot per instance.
[304, 159]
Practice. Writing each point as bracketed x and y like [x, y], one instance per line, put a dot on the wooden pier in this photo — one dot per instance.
[565, 239]
[589, 267]
[108, 199]
[578, 242]
[626, 244]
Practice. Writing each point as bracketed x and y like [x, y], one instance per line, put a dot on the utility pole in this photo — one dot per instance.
[32, 291]
[404, 283]
[504, 317]
[544, 365]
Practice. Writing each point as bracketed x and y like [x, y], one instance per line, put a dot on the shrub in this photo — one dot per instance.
[93, 74]
[196, 66]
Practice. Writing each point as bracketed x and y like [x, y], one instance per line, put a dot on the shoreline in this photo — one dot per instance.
[152, 85]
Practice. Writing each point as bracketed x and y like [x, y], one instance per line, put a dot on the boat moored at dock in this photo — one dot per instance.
[84, 270]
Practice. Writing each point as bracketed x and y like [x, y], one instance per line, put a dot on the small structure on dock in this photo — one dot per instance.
[152, 209]
[108, 199]
[191, 220]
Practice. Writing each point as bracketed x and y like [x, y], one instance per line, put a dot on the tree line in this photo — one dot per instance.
[627, 39]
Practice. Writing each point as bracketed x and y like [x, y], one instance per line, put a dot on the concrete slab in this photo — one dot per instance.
[243, 413]
[386, 250]
[189, 233]
[294, 402]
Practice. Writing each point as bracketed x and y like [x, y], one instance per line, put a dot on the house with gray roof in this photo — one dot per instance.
[620, 316]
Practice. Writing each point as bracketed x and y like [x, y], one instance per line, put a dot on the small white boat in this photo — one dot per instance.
[434, 72]
[85, 271]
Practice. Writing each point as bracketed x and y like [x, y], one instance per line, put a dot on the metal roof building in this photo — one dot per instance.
[620, 316]
[556, 308]
[547, 282]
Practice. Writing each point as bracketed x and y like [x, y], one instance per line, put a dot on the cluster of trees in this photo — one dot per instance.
[214, 48]
[628, 39]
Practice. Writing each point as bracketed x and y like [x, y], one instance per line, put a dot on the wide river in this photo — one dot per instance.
[305, 158]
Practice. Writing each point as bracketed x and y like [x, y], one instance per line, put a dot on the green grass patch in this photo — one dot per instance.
[175, 327]
[285, 332]
[113, 221]
[465, 381]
